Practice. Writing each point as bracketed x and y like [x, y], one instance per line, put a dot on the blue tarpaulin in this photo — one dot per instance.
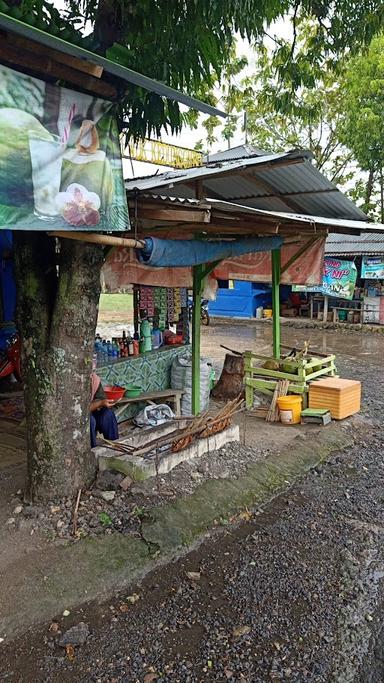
[184, 253]
[7, 279]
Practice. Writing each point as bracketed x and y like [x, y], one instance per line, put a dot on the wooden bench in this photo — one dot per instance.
[171, 395]
[336, 309]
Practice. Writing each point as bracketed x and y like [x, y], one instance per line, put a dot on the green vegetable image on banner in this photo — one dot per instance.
[60, 159]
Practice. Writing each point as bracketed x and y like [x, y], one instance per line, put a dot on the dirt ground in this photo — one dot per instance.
[21, 544]
[293, 593]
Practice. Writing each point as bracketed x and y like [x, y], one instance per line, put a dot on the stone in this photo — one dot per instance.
[77, 635]
[54, 509]
[108, 480]
[10, 521]
[18, 509]
[108, 495]
[126, 483]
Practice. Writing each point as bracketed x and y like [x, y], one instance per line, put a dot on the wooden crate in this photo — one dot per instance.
[342, 397]
[303, 371]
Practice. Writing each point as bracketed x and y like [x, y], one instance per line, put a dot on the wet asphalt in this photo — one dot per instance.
[293, 593]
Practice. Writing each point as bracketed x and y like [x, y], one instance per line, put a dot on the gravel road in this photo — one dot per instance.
[292, 593]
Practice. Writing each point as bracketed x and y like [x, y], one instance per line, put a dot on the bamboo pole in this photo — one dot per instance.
[97, 238]
[276, 266]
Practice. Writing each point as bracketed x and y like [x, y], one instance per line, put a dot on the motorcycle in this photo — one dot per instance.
[10, 358]
[204, 314]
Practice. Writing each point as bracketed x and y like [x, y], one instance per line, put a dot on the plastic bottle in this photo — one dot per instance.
[130, 346]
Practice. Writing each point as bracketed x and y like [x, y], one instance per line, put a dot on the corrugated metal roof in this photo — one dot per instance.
[358, 245]
[240, 152]
[280, 216]
[285, 182]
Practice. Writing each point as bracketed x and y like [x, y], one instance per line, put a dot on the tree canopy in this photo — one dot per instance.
[362, 127]
[188, 43]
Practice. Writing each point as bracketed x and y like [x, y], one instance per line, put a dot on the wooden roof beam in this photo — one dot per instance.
[44, 66]
[270, 188]
[174, 215]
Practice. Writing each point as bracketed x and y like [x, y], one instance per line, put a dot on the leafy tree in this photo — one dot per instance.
[361, 128]
[309, 118]
[187, 44]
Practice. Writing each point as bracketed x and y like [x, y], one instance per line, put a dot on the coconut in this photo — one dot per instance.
[92, 171]
[16, 188]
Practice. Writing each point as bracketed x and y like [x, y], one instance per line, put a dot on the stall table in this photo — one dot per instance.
[336, 309]
[171, 395]
[151, 371]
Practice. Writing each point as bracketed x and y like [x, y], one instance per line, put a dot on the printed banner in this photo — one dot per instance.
[339, 279]
[122, 268]
[307, 269]
[372, 268]
[60, 159]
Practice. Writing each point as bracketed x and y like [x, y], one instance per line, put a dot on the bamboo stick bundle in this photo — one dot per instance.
[281, 389]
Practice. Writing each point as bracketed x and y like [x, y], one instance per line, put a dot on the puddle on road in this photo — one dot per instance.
[258, 337]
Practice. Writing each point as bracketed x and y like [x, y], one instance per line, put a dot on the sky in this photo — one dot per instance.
[188, 137]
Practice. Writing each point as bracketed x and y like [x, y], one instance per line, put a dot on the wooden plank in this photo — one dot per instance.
[264, 372]
[255, 383]
[152, 395]
[60, 57]
[172, 215]
[44, 66]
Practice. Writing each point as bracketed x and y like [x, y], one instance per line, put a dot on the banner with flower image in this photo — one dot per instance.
[60, 159]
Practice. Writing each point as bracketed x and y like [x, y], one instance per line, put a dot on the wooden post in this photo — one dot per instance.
[198, 276]
[325, 309]
[276, 268]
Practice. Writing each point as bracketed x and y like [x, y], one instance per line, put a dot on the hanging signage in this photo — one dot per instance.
[60, 160]
[339, 279]
[372, 268]
[163, 154]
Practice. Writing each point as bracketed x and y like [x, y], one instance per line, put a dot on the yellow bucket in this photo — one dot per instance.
[267, 313]
[290, 409]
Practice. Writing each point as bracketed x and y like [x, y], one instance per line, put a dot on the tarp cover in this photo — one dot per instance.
[180, 253]
[123, 268]
[60, 159]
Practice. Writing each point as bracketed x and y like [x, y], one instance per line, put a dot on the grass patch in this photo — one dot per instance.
[116, 303]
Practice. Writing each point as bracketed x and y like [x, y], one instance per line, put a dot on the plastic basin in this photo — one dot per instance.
[114, 393]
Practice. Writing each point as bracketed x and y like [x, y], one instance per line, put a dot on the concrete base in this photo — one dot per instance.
[141, 468]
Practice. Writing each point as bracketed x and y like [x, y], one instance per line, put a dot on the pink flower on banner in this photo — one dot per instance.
[78, 206]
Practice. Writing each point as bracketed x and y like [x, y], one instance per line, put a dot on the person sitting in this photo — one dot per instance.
[103, 419]
[299, 302]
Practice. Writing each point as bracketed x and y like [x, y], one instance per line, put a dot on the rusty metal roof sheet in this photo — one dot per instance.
[355, 245]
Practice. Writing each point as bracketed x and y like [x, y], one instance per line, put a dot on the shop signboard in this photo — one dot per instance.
[60, 158]
[339, 279]
[372, 268]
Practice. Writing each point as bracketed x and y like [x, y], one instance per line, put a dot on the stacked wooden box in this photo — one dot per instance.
[342, 397]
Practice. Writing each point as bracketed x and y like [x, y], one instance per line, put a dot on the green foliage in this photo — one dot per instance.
[361, 128]
[363, 103]
[105, 519]
[188, 43]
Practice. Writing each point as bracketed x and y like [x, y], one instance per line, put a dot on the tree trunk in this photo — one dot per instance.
[230, 383]
[369, 190]
[57, 303]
